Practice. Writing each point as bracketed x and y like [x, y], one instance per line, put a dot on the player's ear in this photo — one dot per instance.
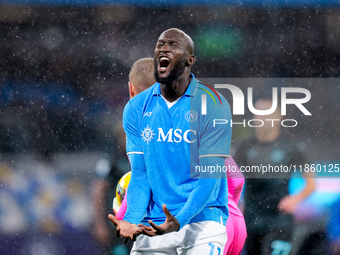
[190, 60]
[132, 90]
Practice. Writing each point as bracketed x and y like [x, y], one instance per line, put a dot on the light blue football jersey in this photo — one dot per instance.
[173, 141]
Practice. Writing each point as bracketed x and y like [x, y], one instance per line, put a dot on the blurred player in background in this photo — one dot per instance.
[236, 226]
[109, 169]
[268, 205]
[334, 228]
[192, 212]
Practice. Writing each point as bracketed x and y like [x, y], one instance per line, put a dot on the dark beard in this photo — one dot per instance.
[176, 72]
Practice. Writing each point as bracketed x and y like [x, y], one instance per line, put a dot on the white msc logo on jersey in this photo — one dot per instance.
[172, 136]
[147, 134]
[177, 135]
[191, 116]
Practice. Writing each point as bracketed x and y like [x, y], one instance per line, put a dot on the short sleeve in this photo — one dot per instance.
[131, 125]
[216, 137]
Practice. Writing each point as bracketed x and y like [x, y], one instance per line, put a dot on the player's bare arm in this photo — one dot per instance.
[289, 203]
[125, 229]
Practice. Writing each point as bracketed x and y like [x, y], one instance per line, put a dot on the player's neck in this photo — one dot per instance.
[177, 88]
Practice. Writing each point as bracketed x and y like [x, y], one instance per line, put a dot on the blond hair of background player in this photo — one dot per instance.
[141, 76]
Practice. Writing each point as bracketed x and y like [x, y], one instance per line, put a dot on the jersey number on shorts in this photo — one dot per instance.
[213, 249]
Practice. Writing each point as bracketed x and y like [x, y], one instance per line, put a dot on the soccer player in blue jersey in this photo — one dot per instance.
[174, 204]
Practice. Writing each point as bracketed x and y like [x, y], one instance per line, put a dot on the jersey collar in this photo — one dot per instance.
[191, 90]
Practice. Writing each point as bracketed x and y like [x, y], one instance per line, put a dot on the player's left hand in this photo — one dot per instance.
[171, 224]
[125, 229]
[288, 204]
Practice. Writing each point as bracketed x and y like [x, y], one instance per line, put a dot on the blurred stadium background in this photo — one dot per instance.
[63, 85]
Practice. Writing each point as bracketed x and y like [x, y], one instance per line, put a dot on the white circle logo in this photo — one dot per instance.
[191, 116]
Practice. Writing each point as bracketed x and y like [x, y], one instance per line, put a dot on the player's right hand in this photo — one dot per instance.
[171, 224]
[125, 229]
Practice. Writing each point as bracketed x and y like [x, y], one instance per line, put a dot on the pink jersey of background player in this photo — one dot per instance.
[236, 227]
